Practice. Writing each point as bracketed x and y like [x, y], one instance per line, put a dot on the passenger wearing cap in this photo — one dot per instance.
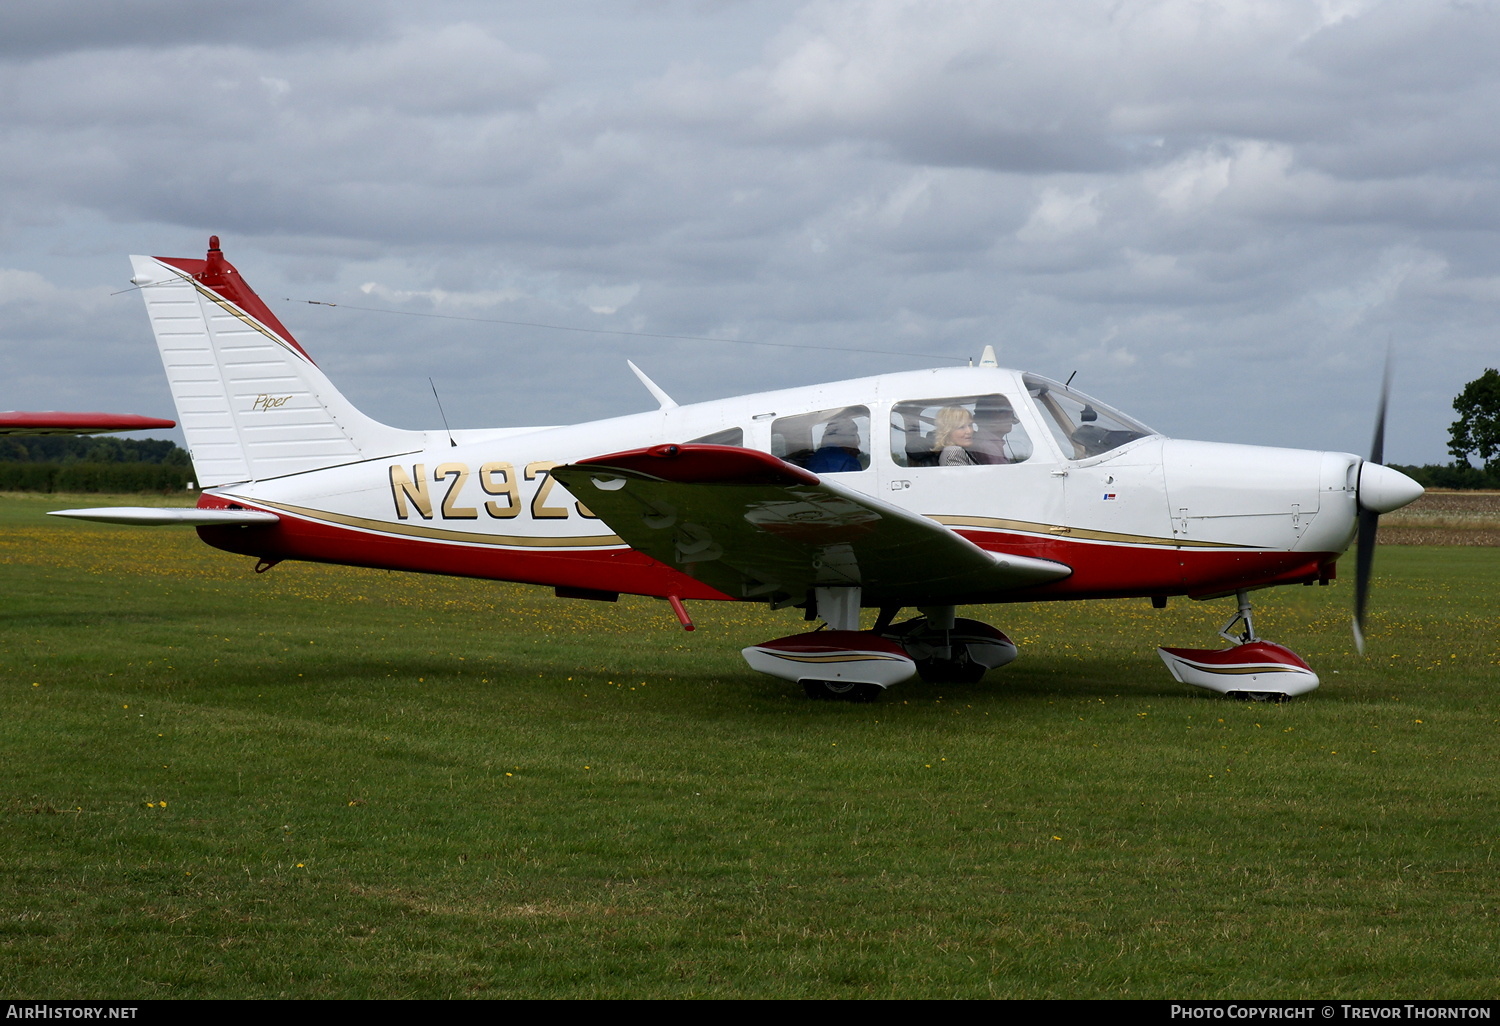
[993, 420]
[839, 449]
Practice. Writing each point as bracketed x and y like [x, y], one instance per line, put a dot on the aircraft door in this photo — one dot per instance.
[969, 461]
[1122, 513]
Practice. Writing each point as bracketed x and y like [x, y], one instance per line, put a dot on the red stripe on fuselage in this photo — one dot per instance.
[1104, 570]
[624, 570]
[1099, 570]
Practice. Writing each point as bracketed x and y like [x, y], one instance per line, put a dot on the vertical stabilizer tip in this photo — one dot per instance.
[215, 268]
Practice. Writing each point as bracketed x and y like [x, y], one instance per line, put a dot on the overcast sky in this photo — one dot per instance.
[1218, 213]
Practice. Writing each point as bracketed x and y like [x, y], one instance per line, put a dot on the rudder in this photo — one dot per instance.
[251, 402]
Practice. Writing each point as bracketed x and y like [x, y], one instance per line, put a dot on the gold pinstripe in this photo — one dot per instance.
[1237, 670]
[839, 657]
[421, 531]
[236, 312]
[1078, 533]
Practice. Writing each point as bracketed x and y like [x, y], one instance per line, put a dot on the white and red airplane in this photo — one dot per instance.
[930, 490]
[56, 422]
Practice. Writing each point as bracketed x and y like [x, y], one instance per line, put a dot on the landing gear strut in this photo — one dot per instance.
[1256, 670]
[1246, 632]
[952, 650]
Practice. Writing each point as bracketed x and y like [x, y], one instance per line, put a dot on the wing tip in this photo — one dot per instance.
[1043, 571]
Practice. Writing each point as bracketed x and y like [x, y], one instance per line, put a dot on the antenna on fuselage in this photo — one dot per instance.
[987, 358]
[446, 428]
[1070, 379]
[666, 401]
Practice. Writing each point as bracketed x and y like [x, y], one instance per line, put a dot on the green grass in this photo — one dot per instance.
[325, 782]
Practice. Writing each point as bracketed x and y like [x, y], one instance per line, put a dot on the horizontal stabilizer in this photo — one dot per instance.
[136, 515]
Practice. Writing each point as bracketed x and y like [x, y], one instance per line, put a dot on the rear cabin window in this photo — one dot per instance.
[958, 431]
[729, 436]
[826, 442]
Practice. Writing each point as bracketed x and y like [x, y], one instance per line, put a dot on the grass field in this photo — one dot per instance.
[1445, 518]
[325, 782]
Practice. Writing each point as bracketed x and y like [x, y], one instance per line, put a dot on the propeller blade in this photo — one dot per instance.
[1369, 519]
[1377, 444]
[1364, 563]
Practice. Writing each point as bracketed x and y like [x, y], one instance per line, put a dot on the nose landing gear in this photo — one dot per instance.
[1253, 669]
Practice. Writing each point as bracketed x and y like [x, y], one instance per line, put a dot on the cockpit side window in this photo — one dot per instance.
[969, 430]
[1082, 426]
[826, 442]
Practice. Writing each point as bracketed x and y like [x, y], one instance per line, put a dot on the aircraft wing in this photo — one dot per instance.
[53, 422]
[754, 526]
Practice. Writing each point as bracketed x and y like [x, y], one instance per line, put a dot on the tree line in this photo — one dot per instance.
[1473, 438]
[72, 463]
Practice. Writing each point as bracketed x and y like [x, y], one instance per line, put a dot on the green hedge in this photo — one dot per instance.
[1452, 475]
[93, 477]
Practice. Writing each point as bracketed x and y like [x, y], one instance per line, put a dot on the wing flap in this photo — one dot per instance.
[754, 526]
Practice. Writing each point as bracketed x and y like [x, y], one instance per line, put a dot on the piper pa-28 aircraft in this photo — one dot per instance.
[926, 490]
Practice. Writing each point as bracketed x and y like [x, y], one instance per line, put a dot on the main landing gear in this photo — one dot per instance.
[1256, 670]
[854, 665]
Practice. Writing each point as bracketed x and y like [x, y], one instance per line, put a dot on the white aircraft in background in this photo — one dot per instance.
[929, 489]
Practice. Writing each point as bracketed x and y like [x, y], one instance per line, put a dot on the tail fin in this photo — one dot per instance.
[252, 403]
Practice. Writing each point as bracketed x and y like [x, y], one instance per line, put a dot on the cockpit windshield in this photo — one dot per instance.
[1083, 426]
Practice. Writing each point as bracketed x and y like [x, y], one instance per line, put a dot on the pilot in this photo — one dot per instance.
[839, 449]
[954, 437]
[993, 420]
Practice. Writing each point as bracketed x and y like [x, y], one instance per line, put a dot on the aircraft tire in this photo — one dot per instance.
[1275, 697]
[951, 671]
[841, 690]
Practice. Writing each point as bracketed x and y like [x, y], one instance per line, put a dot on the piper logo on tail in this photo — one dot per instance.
[268, 402]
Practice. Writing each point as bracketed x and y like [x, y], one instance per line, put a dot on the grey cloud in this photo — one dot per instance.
[1416, 48]
[29, 30]
[1207, 208]
[458, 69]
[213, 132]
